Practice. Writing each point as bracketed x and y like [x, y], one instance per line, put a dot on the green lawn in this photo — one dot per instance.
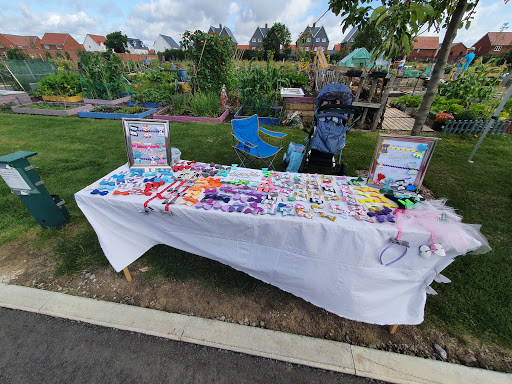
[74, 152]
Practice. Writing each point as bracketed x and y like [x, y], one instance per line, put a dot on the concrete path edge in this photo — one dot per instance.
[317, 353]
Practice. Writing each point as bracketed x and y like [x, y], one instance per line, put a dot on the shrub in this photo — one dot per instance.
[60, 84]
[204, 105]
[212, 56]
[100, 75]
[180, 104]
[260, 86]
[173, 54]
[162, 95]
[407, 101]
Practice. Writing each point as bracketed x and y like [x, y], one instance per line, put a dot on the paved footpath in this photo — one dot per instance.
[138, 345]
[42, 349]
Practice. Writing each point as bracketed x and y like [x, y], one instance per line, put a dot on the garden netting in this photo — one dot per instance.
[28, 73]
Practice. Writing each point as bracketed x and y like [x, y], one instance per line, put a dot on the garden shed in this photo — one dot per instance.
[359, 58]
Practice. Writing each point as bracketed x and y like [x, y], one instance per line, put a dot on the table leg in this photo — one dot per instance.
[127, 274]
[393, 329]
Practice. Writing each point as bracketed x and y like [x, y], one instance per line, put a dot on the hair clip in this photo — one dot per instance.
[98, 192]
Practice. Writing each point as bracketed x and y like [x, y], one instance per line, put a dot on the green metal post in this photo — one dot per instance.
[48, 210]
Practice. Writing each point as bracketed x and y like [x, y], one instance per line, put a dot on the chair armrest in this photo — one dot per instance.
[272, 133]
[246, 143]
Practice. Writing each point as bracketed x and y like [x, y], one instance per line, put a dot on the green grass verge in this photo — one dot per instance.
[74, 152]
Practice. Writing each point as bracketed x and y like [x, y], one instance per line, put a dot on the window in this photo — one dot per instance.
[1, 46]
[497, 48]
[317, 40]
[308, 39]
[259, 40]
[46, 46]
[316, 48]
[324, 40]
[253, 39]
[307, 48]
[20, 46]
[12, 46]
[59, 46]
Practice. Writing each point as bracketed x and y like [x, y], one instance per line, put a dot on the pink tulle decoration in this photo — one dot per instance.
[444, 225]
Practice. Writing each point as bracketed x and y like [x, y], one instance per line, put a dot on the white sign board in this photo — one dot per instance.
[14, 179]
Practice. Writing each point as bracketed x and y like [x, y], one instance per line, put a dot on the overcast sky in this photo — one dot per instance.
[147, 19]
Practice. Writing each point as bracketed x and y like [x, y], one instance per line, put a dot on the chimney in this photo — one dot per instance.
[314, 25]
[266, 25]
[220, 26]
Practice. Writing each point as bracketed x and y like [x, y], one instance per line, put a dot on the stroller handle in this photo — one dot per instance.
[340, 109]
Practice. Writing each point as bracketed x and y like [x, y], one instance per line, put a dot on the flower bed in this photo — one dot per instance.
[147, 105]
[109, 112]
[107, 102]
[51, 109]
[161, 115]
[64, 99]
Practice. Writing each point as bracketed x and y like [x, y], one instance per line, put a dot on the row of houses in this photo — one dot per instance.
[313, 38]
[65, 42]
[427, 47]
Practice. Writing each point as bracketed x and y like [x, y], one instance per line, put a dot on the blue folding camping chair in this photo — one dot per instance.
[250, 147]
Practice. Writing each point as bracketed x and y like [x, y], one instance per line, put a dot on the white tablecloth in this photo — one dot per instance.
[334, 265]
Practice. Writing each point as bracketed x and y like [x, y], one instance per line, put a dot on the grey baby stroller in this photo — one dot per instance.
[327, 136]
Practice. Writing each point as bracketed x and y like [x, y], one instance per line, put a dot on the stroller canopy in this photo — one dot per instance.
[330, 133]
[335, 91]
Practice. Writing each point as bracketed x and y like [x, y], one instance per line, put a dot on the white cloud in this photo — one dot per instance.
[29, 23]
[173, 17]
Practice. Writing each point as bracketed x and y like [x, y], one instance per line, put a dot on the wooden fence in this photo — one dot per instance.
[476, 127]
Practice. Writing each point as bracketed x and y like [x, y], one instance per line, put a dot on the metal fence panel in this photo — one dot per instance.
[476, 127]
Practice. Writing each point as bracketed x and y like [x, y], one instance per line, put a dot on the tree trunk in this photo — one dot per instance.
[437, 73]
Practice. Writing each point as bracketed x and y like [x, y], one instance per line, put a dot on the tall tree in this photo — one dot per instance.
[16, 54]
[369, 37]
[117, 42]
[277, 35]
[400, 21]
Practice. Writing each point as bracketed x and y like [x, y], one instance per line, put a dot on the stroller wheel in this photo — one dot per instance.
[343, 169]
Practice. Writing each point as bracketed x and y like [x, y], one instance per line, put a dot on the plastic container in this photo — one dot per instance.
[175, 153]
[182, 75]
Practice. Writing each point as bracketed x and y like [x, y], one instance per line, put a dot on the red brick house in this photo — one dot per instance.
[457, 52]
[493, 42]
[14, 41]
[60, 42]
[424, 47]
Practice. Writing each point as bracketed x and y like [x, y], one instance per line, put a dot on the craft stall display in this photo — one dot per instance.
[364, 252]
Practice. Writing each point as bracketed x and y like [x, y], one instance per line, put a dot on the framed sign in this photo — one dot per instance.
[400, 162]
[148, 143]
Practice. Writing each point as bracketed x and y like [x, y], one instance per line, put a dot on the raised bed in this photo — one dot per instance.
[261, 120]
[107, 102]
[16, 97]
[147, 105]
[109, 115]
[305, 105]
[26, 109]
[69, 99]
[160, 115]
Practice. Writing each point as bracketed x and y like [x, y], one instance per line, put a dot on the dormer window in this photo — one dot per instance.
[59, 46]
